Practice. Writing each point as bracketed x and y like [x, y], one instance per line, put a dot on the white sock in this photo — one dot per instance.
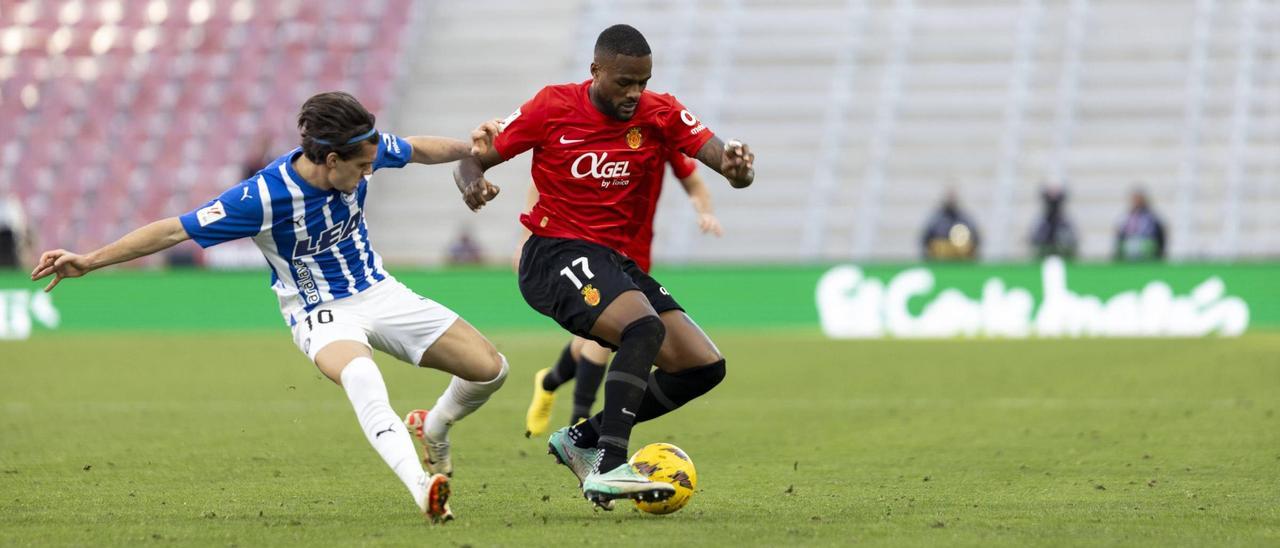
[383, 428]
[460, 399]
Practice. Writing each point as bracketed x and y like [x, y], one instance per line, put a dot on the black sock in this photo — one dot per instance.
[561, 372]
[590, 375]
[624, 388]
[665, 392]
[586, 433]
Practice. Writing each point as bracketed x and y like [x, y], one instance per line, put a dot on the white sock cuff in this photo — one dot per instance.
[502, 373]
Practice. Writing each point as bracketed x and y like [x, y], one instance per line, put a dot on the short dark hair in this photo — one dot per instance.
[328, 121]
[622, 40]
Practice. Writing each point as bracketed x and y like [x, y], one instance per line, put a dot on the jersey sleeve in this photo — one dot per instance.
[681, 166]
[235, 214]
[523, 129]
[393, 151]
[684, 131]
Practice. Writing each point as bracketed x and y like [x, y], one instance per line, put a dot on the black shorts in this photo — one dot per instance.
[573, 281]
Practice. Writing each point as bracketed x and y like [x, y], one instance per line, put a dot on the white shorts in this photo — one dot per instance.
[388, 316]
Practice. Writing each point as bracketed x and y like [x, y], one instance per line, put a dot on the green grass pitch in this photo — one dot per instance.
[232, 439]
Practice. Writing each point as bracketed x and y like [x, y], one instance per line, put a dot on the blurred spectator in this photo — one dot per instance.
[1140, 236]
[950, 235]
[1054, 235]
[15, 234]
[464, 250]
[258, 158]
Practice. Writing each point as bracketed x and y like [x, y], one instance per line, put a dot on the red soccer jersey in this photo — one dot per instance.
[637, 249]
[598, 178]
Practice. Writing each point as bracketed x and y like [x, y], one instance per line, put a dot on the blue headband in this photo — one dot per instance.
[353, 140]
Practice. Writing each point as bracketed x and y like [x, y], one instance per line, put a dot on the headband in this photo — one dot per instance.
[353, 140]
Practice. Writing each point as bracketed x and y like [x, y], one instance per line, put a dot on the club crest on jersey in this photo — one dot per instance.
[634, 138]
[591, 295]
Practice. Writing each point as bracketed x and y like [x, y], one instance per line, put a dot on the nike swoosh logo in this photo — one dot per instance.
[564, 141]
[625, 412]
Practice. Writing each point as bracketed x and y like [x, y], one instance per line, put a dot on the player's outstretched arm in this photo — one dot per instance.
[734, 160]
[144, 241]
[700, 197]
[429, 149]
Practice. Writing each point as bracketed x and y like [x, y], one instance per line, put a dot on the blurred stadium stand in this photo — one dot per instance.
[861, 111]
[120, 112]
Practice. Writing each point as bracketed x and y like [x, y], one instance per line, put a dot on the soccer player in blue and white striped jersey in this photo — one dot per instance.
[305, 211]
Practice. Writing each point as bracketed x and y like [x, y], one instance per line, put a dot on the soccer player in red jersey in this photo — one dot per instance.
[583, 360]
[598, 149]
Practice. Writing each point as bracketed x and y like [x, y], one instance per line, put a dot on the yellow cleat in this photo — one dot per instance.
[538, 418]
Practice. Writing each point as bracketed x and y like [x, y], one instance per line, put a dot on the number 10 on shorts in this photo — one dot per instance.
[323, 316]
[580, 262]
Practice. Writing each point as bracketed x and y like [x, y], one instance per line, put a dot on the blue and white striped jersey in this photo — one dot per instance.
[316, 241]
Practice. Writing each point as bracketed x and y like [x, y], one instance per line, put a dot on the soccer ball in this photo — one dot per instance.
[666, 462]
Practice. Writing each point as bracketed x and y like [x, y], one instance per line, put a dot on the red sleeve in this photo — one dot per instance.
[681, 166]
[684, 131]
[523, 130]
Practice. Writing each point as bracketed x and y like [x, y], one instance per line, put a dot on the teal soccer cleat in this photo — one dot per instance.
[624, 482]
[579, 461]
[582, 462]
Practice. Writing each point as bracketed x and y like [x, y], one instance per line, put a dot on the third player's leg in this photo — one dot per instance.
[592, 351]
[590, 374]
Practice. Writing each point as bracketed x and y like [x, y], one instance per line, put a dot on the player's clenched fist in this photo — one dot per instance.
[737, 164]
[478, 193]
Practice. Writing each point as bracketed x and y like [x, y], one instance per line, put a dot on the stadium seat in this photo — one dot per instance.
[202, 77]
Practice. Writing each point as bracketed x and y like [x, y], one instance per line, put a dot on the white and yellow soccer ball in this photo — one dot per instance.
[667, 463]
